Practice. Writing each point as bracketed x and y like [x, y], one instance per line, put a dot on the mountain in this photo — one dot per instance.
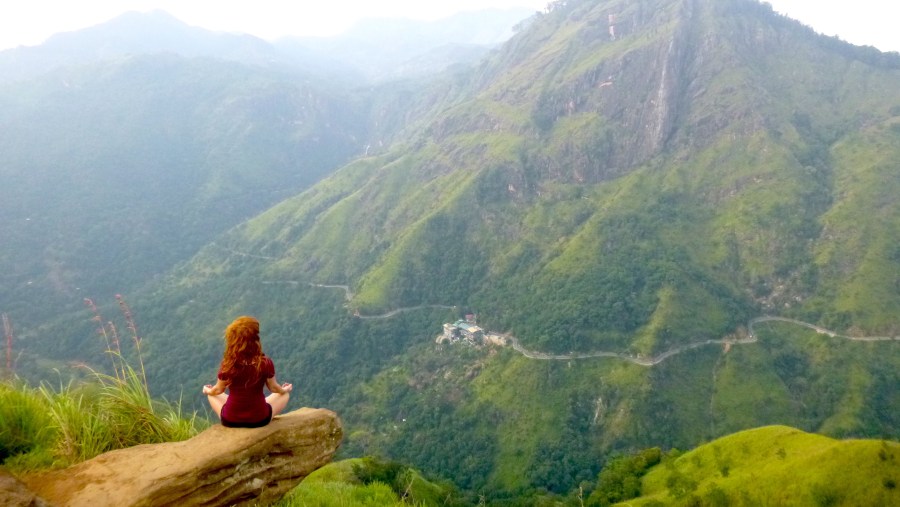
[598, 191]
[386, 49]
[624, 188]
[133, 33]
[372, 50]
[127, 146]
[116, 171]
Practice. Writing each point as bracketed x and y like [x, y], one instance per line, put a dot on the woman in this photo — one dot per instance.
[244, 371]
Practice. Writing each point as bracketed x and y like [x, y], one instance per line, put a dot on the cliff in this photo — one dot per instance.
[220, 466]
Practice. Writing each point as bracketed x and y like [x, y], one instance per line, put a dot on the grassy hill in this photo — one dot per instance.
[777, 465]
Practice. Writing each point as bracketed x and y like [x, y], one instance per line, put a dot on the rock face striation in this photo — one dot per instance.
[221, 466]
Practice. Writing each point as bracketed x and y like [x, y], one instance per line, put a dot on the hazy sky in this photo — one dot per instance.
[30, 22]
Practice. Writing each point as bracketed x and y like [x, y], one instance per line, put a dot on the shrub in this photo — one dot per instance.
[620, 479]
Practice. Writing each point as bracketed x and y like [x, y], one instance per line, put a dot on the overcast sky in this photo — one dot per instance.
[30, 22]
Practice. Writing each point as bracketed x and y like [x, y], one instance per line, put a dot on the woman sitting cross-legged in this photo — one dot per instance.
[244, 371]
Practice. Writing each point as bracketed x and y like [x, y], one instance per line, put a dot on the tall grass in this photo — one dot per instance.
[45, 427]
[113, 412]
[49, 427]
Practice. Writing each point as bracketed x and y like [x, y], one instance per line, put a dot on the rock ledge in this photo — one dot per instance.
[220, 466]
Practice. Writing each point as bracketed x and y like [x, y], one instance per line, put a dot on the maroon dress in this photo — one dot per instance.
[246, 406]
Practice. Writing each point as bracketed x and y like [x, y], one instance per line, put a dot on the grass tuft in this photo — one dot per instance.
[48, 428]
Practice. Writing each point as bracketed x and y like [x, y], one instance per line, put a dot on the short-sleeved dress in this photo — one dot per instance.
[246, 406]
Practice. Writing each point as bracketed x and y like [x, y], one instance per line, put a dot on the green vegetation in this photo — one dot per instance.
[25, 425]
[777, 465]
[365, 482]
[621, 477]
[48, 427]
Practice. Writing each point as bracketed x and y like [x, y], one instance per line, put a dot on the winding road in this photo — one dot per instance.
[401, 310]
[820, 330]
[654, 360]
[632, 358]
[636, 359]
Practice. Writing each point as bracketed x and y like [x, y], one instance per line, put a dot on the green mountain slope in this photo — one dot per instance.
[643, 190]
[777, 465]
[597, 196]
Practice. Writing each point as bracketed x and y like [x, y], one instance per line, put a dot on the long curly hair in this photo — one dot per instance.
[242, 347]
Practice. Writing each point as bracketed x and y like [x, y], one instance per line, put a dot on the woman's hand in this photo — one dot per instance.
[215, 390]
[277, 388]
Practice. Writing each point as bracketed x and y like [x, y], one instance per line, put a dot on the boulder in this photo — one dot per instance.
[220, 466]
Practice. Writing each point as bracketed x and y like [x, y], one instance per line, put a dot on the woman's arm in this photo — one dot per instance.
[215, 390]
[277, 388]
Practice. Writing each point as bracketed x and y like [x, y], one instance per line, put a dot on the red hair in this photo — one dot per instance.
[242, 347]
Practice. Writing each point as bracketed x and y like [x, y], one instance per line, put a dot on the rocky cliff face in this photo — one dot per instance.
[221, 466]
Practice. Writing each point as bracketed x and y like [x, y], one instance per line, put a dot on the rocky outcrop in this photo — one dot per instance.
[220, 466]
